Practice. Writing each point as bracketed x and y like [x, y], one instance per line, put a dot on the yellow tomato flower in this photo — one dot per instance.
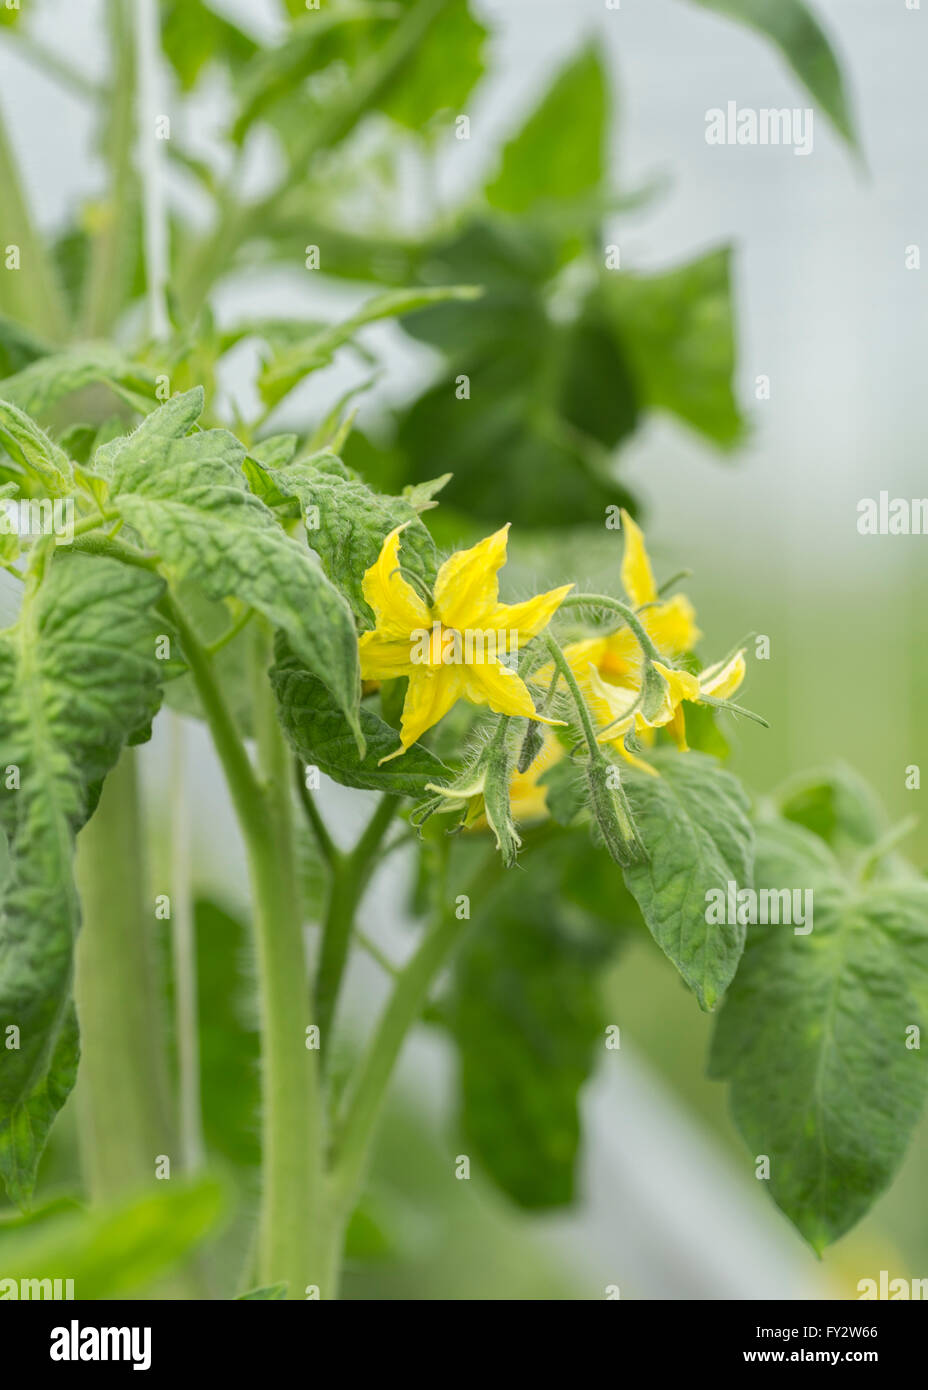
[609, 669]
[450, 649]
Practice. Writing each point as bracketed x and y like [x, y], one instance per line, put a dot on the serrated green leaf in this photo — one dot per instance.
[693, 822]
[33, 451]
[812, 1036]
[78, 677]
[40, 385]
[321, 737]
[186, 496]
[122, 1249]
[558, 154]
[353, 522]
[791, 25]
[677, 331]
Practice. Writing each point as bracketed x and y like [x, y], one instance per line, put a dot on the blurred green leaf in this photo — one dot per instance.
[444, 69]
[270, 1291]
[286, 368]
[677, 331]
[558, 154]
[836, 804]
[193, 35]
[118, 1251]
[792, 26]
[18, 347]
[814, 1035]
[230, 1043]
[525, 1014]
[693, 821]
[40, 385]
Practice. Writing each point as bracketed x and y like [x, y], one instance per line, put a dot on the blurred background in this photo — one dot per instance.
[825, 307]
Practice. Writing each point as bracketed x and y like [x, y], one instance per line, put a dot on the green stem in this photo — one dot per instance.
[30, 294]
[295, 1237]
[122, 1088]
[350, 875]
[563, 667]
[368, 1093]
[235, 224]
[113, 247]
[327, 846]
[622, 609]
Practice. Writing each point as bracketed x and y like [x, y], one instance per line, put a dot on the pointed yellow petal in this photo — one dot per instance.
[502, 689]
[382, 658]
[397, 607]
[467, 587]
[723, 680]
[677, 729]
[637, 576]
[671, 626]
[527, 618]
[430, 694]
[609, 705]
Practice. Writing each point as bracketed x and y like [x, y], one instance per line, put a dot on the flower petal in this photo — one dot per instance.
[430, 694]
[637, 575]
[529, 617]
[502, 689]
[467, 587]
[382, 658]
[723, 679]
[671, 626]
[397, 607]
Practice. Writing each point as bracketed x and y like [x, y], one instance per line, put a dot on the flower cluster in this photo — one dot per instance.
[633, 678]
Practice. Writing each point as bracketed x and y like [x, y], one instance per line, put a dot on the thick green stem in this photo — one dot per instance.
[295, 1236]
[121, 1093]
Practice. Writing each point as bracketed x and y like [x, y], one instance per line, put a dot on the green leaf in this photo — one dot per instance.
[278, 71]
[230, 1043]
[287, 368]
[791, 25]
[322, 738]
[835, 804]
[525, 1014]
[33, 451]
[347, 524]
[270, 1291]
[444, 69]
[558, 154]
[78, 678]
[186, 496]
[18, 347]
[122, 1249]
[677, 331]
[43, 383]
[812, 1036]
[193, 35]
[693, 822]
